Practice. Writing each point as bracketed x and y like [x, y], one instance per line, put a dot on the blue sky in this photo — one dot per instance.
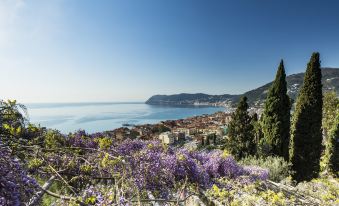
[124, 50]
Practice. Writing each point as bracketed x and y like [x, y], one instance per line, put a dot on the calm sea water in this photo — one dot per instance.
[96, 117]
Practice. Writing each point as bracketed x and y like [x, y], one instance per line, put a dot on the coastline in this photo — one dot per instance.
[98, 117]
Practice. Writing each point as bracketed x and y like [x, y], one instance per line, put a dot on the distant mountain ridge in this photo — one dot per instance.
[256, 97]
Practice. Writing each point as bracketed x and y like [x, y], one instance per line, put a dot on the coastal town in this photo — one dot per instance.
[192, 132]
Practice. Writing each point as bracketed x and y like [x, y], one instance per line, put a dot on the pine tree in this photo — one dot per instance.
[240, 132]
[276, 116]
[306, 133]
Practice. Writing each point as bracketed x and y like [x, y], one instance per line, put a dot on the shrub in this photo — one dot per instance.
[54, 139]
[277, 166]
[105, 143]
[324, 189]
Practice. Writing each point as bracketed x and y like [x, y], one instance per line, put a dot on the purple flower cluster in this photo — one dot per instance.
[91, 192]
[155, 167]
[217, 165]
[129, 147]
[101, 195]
[15, 186]
[82, 139]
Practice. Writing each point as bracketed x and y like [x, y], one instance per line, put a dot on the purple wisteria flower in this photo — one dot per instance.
[15, 186]
[155, 167]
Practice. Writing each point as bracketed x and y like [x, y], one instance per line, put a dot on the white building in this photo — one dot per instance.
[167, 137]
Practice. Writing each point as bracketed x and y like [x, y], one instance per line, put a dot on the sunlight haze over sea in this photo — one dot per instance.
[98, 117]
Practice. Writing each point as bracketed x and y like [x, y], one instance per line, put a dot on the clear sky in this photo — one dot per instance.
[128, 50]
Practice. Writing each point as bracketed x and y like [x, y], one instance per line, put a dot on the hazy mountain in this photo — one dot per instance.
[256, 96]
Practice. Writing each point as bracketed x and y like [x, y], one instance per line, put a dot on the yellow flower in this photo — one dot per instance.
[91, 200]
[181, 157]
[150, 146]
[225, 154]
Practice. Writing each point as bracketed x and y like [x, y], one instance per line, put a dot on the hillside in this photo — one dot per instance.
[255, 97]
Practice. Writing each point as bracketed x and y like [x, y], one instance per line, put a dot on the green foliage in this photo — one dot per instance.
[208, 140]
[14, 131]
[160, 128]
[12, 113]
[56, 187]
[35, 163]
[53, 139]
[263, 149]
[105, 143]
[87, 169]
[13, 117]
[306, 133]
[329, 121]
[316, 192]
[240, 132]
[330, 109]
[134, 134]
[324, 189]
[245, 194]
[90, 200]
[210, 147]
[257, 131]
[35, 133]
[330, 159]
[277, 166]
[108, 163]
[276, 116]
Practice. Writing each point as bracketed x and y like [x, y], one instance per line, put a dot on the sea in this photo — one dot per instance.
[98, 117]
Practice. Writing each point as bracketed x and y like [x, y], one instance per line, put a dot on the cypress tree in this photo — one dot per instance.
[214, 138]
[240, 132]
[331, 155]
[306, 133]
[208, 140]
[276, 116]
[330, 107]
[330, 123]
[257, 132]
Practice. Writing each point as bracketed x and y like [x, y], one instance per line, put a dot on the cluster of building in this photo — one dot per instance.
[204, 129]
[197, 129]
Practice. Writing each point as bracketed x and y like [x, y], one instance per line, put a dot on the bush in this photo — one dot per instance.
[324, 189]
[277, 166]
[54, 139]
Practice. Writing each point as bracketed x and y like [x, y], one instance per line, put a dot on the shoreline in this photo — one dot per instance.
[101, 118]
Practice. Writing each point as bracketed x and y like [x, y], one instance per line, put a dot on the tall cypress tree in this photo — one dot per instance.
[330, 108]
[330, 132]
[240, 132]
[306, 134]
[276, 116]
[257, 131]
[331, 155]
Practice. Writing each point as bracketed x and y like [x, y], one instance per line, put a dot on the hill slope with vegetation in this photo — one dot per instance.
[330, 81]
